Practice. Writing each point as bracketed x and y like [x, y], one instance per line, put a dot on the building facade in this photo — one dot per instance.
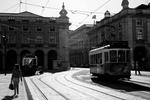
[79, 46]
[28, 33]
[130, 24]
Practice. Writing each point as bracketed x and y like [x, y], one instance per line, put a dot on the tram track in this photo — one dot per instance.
[35, 92]
[45, 91]
[72, 94]
[94, 90]
[69, 88]
[76, 88]
[108, 93]
[42, 94]
[127, 87]
[62, 80]
[56, 91]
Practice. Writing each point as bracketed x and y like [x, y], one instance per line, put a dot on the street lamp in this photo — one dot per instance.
[4, 42]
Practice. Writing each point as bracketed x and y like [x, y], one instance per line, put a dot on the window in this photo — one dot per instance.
[39, 28]
[113, 56]
[39, 20]
[91, 59]
[26, 40]
[25, 20]
[128, 56]
[11, 28]
[121, 56]
[11, 19]
[39, 39]
[95, 59]
[139, 22]
[120, 31]
[99, 58]
[52, 39]
[106, 56]
[139, 34]
[25, 28]
[52, 29]
[11, 39]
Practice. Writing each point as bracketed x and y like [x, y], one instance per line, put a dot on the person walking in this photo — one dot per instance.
[137, 68]
[16, 76]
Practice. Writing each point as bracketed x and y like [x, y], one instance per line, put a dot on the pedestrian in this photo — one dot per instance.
[137, 68]
[16, 76]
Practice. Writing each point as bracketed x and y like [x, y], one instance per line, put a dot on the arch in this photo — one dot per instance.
[40, 56]
[11, 59]
[52, 55]
[1, 61]
[140, 55]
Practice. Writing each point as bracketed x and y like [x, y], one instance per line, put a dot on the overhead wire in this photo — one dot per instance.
[15, 10]
[72, 11]
[11, 7]
[43, 8]
[94, 12]
[87, 13]
[102, 5]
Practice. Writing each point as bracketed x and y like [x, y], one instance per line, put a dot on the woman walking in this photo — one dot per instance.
[16, 75]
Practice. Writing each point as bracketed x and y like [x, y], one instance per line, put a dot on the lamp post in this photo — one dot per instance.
[4, 41]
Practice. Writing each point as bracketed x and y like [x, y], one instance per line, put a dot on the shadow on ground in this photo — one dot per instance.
[8, 98]
[121, 85]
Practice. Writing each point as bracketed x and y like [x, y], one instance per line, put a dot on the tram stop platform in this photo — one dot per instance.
[6, 93]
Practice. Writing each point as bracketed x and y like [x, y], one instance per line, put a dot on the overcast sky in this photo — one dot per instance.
[79, 11]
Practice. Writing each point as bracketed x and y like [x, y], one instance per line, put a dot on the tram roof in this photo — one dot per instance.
[106, 46]
[113, 45]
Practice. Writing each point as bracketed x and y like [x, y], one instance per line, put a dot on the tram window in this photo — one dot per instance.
[128, 56]
[100, 58]
[97, 58]
[92, 59]
[113, 56]
[106, 56]
[121, 56]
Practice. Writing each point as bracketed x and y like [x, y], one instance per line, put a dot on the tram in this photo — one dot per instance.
[111, 60]
[29, 65]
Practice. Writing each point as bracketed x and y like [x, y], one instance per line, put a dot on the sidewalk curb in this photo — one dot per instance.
[29, 96]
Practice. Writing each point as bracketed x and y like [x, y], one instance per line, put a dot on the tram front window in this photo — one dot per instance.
[121, 56]
[113, 56]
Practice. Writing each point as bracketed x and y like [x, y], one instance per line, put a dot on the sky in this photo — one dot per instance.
[79, 11]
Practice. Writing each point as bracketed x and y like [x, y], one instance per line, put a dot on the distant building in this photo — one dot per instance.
[79, 46]
[130, 24]
[28, 33]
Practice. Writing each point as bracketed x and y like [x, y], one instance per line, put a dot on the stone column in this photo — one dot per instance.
[45, 61]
